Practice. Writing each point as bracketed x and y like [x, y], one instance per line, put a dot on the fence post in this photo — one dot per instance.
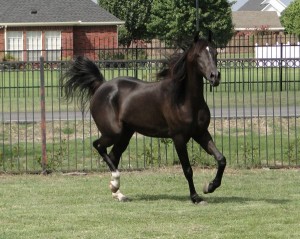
[136, 61]
[43, 116]
[280, 66]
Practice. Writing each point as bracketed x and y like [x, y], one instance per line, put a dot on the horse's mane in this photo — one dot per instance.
[175, 68]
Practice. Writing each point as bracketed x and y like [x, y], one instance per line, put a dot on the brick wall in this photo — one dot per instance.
[67, 43]
[75, 40]
[87, 39]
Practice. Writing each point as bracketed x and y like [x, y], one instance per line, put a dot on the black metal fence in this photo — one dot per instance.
[255, 113]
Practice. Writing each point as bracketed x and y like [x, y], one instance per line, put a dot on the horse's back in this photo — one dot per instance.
[130, 101]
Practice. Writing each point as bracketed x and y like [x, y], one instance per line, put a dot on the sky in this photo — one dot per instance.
[240, 3]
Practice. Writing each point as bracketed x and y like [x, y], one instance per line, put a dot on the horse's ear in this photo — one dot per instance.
[196, 37]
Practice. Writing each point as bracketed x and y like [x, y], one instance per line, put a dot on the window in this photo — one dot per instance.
[53, 45]
[34, 45]
[14, 45]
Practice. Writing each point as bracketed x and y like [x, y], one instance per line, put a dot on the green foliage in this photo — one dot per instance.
[293, 150]
[117, 59]
[177, 20]
[171, 19]
[55, 158]
[135, 13]
[290, 18]
[9, 57]
[218, 19]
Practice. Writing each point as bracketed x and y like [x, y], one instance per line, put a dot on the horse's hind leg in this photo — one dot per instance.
[206, 142]
[115, 155]
[101, 145]
[113, 159]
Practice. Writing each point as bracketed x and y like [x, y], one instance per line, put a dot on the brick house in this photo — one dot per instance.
[56, 29]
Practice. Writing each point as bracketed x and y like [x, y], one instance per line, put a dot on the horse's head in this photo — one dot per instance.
[204, 57]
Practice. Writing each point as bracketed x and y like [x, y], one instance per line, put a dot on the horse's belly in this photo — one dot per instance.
[153, 132]
[149, 127]
[145, 117]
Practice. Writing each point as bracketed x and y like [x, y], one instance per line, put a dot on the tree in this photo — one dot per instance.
[176, 19]
[135, 13]
[290, 18]
[173, 20]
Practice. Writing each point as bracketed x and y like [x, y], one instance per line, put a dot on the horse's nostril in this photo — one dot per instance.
[215, 75]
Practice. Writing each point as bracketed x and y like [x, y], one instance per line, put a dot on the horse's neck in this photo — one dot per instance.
[194, 87]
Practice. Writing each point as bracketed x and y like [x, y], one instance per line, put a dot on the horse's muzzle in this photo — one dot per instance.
[215, 78]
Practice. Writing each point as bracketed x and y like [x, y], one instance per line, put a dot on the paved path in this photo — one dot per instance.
[292, 111]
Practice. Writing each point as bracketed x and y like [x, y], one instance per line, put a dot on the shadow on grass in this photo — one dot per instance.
[209, 199]
[235, 199]
[158, 197]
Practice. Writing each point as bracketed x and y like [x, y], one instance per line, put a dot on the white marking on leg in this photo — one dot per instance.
[119, 196]
[114, 187]
[115, 181]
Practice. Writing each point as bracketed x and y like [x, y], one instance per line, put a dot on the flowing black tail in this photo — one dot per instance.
[81, 80]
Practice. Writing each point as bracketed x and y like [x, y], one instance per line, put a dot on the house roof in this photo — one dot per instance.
[54, 12]
[252, 20]
[259, 5]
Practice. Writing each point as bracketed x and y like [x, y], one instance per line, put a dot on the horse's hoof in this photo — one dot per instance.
[120, 196]
[205, 188]
[208, 188]
[202, 203]
[124, 199]
[196, 199]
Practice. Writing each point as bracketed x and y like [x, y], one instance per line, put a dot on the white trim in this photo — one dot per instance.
[269, 2]
[5, 38]
[277, 5]
[78, 23]
[254, 29]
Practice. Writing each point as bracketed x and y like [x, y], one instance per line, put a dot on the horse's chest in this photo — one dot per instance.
[203, 119]
[189, 121]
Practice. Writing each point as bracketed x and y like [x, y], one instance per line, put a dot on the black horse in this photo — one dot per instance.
[173, 107]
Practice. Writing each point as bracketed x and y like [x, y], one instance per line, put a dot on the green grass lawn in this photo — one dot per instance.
[249, 204]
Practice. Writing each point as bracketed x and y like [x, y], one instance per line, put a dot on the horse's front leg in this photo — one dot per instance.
[181, 149]
[206, 142]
